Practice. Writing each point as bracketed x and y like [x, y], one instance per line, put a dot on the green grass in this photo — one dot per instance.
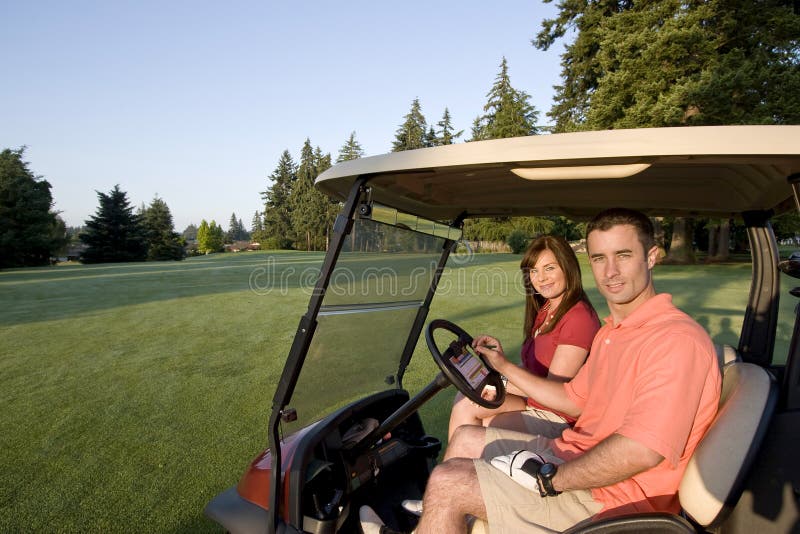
[133, 393]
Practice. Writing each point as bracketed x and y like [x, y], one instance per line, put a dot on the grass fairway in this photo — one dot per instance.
[133, 393]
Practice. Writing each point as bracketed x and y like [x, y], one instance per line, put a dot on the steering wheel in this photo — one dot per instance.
[463, 367]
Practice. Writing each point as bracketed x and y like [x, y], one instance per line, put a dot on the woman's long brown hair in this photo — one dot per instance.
[573, 293]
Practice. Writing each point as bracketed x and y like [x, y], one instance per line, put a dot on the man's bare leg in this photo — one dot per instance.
[453, 492]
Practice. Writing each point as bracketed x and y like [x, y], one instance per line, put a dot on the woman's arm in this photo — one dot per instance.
[567, 360]
[549, 393]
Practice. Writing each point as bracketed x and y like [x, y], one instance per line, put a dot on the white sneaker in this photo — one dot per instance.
[412, 506]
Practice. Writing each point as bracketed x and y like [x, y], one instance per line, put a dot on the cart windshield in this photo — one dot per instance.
[376, 289]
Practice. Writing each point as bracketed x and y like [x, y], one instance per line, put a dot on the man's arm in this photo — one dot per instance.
[614, 459]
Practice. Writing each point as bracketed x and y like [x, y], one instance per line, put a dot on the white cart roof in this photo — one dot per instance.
[712, 171]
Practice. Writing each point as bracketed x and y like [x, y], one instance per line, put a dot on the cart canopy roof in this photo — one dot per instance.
[704, 171]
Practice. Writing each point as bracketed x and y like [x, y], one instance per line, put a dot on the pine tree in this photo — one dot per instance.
[412, 132]
[30, 232]
[241, 232]
[114, 233]
[431, 139]
[277, 205]
[257, 227]
[350, 150]
[446, 135]
[508, 112]
[478, 132]
[163, 242]
[233, 232]
[311, 210]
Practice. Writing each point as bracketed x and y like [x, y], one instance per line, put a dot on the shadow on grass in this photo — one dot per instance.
[43, 294]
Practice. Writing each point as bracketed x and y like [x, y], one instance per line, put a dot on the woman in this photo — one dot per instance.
[560, 324]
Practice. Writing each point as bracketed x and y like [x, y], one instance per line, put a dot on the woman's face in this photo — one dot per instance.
[547, 277]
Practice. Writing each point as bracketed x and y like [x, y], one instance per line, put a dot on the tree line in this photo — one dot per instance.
[629, 65]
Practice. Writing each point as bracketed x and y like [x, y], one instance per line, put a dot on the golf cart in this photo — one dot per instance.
[344, 432]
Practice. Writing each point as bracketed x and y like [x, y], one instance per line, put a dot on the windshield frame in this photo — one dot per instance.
[358, 200]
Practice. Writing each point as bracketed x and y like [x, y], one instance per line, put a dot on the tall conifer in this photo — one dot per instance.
[412, 133]
[114, 233]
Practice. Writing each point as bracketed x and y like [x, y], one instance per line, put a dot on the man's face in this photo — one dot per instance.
[620, 267]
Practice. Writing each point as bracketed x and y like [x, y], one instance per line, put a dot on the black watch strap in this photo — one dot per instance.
[545, 479]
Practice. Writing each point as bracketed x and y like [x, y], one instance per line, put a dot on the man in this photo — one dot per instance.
[644, 399]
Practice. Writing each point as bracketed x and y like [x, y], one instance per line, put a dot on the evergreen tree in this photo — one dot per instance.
[30, 231]
[636, 64]
[310, 209]
[431, 139]
[412, 133]
[478, 131]
[114, 233]
[508, 112]
[350, 150]
[236, 230]
[446, 130]
[163, 242]
[242, 233]
[257, 227]
[277, 208]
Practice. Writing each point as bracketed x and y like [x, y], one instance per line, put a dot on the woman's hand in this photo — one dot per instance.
[491, 349]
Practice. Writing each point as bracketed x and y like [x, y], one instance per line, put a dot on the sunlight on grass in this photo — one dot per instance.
[133, 393]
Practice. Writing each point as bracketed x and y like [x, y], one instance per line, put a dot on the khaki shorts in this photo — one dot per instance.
[512, 508]
[543, 422]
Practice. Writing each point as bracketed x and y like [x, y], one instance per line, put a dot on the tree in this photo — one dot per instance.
[163, 242]
[787, 225]
[446, 130]
[350, 150]
[202, 236]
[507, 112]
[681, 250]
[210, 237]
[676, 63]
[636, 64]
[236, 230]
[412, 133]
[114, 233]
[311, 211]
[30, 231]
[257, 227]
[277, 209]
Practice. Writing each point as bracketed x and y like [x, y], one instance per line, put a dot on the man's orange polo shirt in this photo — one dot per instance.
[653, 378]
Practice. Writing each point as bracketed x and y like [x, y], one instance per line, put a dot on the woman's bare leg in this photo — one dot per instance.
[466, 412]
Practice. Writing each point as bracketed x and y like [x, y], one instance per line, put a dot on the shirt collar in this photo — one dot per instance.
[645, 312]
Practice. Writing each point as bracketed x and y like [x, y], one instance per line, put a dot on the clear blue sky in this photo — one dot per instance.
[194, 101]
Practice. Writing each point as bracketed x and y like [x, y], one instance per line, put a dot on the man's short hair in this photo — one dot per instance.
[609, 218]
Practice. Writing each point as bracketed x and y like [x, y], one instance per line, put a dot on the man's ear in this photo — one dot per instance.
[652, 257]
